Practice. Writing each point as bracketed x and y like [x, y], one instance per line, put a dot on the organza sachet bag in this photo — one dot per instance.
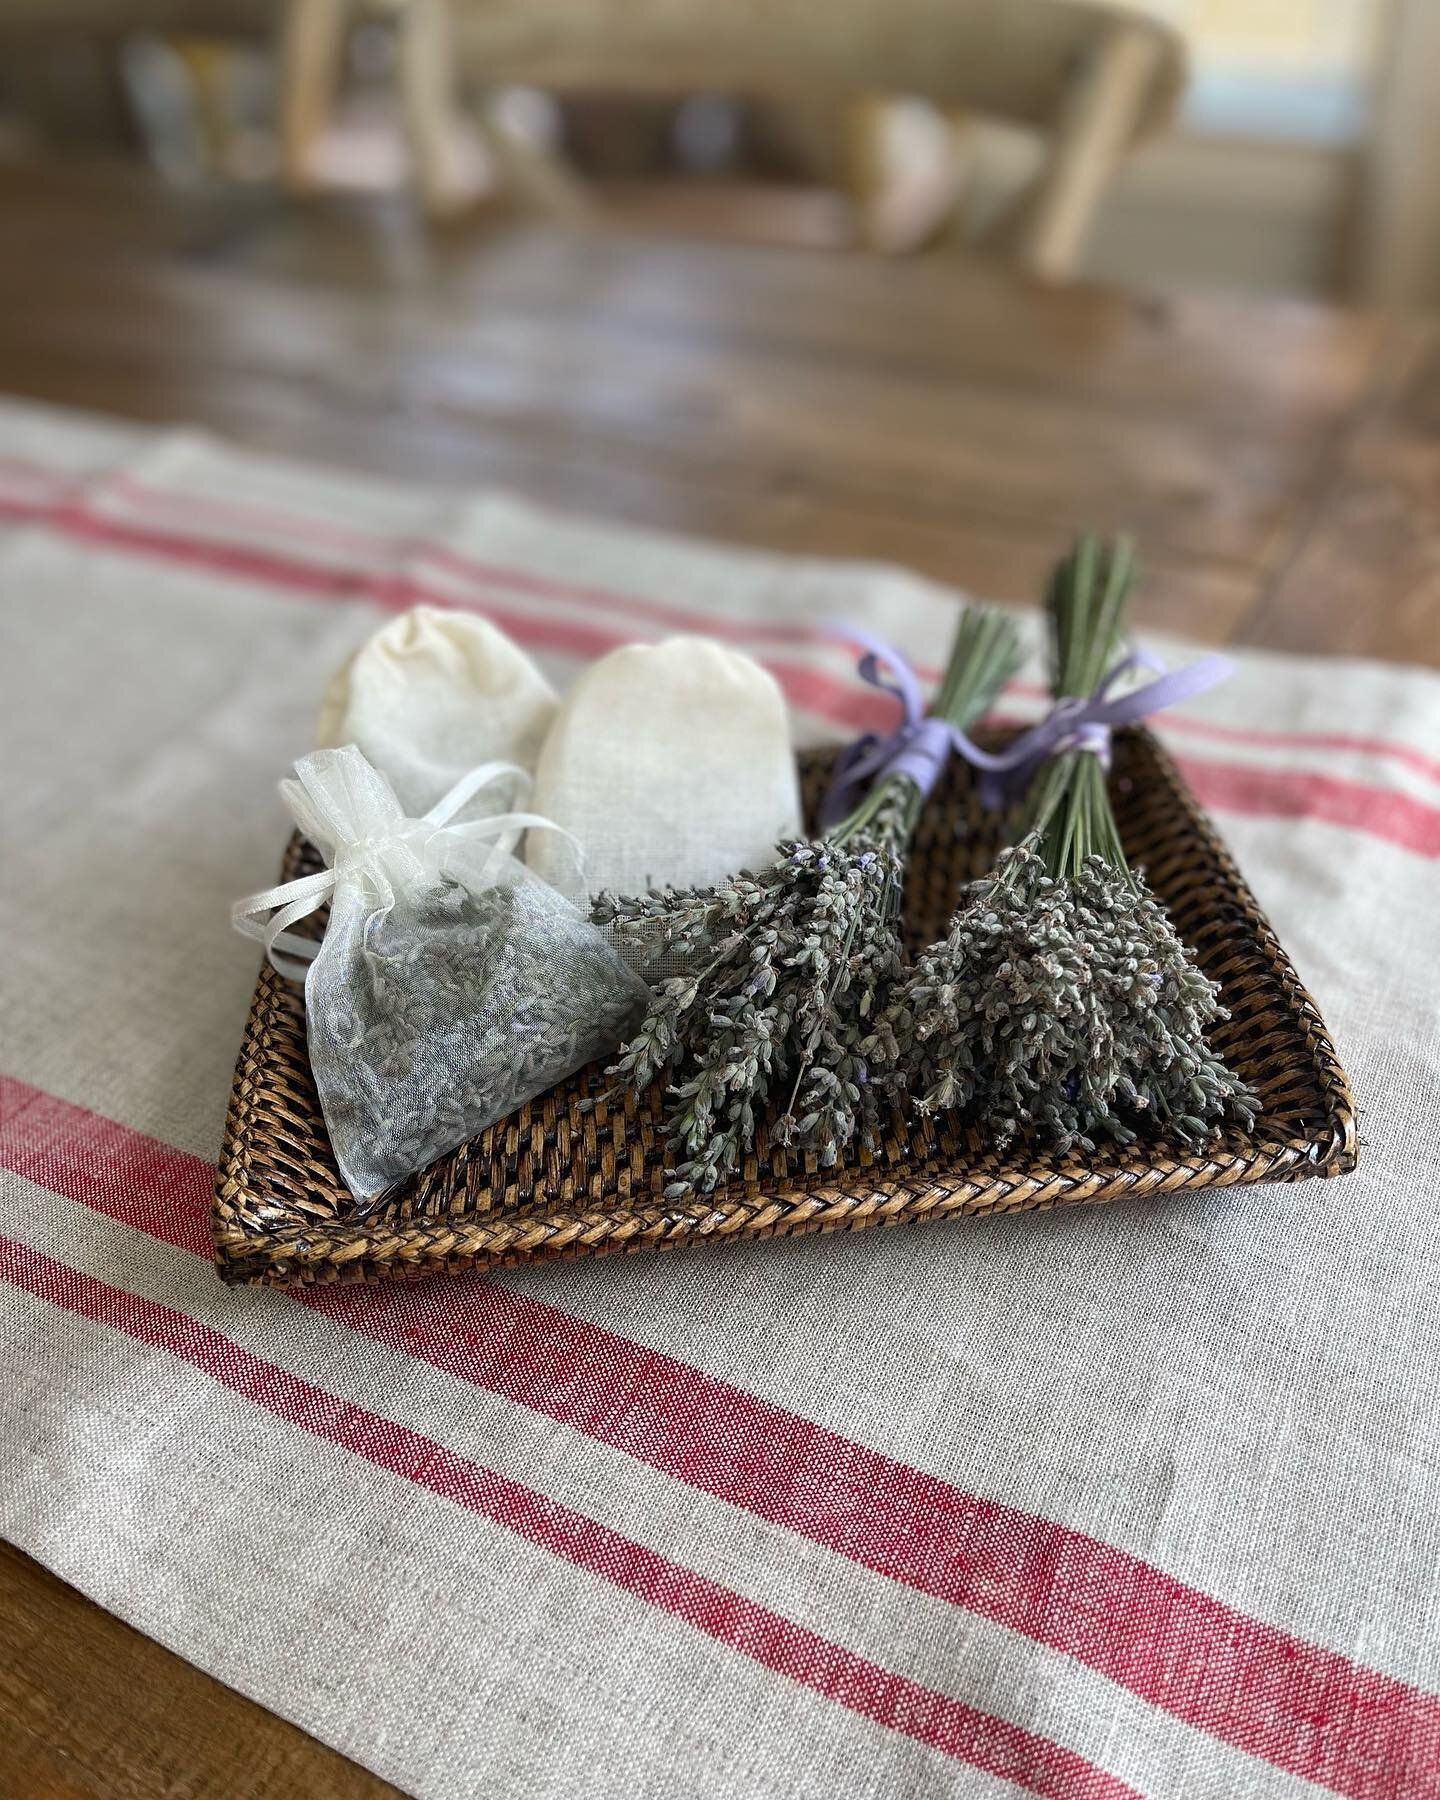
[452, 984]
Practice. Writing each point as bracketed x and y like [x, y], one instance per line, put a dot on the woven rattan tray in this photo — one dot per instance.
[553, 1181]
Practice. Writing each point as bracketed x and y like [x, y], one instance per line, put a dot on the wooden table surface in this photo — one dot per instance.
[1280, 464]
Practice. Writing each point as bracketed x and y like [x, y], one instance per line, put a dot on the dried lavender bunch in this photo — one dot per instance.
[792, 965]
[1067, 1007]
[1061, 1001]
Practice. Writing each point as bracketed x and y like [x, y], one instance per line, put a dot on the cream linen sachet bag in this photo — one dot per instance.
[671, 765]
[433, 694]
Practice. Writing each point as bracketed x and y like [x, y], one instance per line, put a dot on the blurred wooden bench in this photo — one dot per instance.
[1093, 80]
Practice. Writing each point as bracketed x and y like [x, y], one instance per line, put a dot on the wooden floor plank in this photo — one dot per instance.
[91, 1710]
[1362, 575]
[920, 444]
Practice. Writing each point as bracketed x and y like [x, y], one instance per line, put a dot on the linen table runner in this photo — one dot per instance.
[1141, 1499]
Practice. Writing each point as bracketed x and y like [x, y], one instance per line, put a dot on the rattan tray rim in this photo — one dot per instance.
[299, 1249]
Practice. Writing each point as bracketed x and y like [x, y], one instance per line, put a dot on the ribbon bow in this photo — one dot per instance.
[1086, 722]
[294, 900]
[919, 745]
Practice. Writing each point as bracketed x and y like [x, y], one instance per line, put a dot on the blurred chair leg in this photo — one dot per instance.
[1047, 228]
[905, 165]
[311, 43]
[443, 148]
[531, 172]
[867, 162]
[1396, 247]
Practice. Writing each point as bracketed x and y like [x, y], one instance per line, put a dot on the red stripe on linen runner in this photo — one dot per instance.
[1222, 732]
[1294, 1704]
[1301, 1707]
[1379, 812]
[523, 581]
[1259, 736]
[389, 554]
[388, 550]
[808, 688]
[105, 1165]
[71, 1151]
[803, 1656]
[1387, 813]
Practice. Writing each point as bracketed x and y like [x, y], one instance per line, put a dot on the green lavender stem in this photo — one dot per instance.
[1069, 800]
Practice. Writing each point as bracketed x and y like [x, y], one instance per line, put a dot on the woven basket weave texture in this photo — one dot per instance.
[558, 1180]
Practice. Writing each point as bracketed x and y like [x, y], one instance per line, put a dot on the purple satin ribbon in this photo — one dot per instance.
[918, 746]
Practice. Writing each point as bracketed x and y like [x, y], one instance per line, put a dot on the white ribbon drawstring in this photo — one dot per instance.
[267, 917]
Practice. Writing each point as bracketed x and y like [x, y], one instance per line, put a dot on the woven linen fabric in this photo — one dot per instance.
[433, 694]
[1138, 1499]
[670, 765]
